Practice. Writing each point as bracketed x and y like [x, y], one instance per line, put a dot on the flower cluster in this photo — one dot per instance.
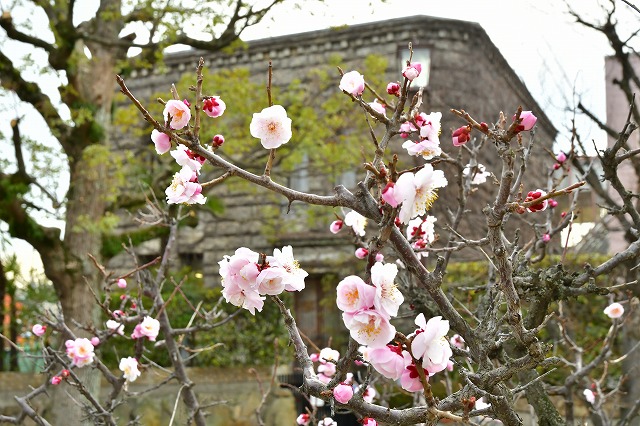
[80, 351]
[247, 276]
[428, 145]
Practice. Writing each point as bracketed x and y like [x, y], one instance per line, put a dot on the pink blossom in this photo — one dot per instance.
[324, 378]
[217, 141]
[39, 329]
[162, 141]
[430, 343]
[412, 71]
[449, 365]
[271, 281]
[356, 221]
[327, 421]
[419, 228]
[431, 127]
[293, 276]
[129, 366]
[388, 194]
[328, 369]
[527, 121]
[410, 378]
[406, 128]
[552, 203]
[460, 136]
[328, 354]
[241, 269]
[378, 107]
[95, 341]
[179, 113]
[352, 83]
[361, 253]
[369, 394]
[343, 393]
[425, 148]
[479, 173]
[590, 396]
[418, 191]
[336, 226]
[546, 238]
[369, 327]
[271, 126]
[390, 360]
[534, 195]
[122, 283]
[614, 310]
[213, 106]
[149, 328]
[457, 341]
[561, 157]
[185, 188]
[314, 357]
[388, 298]
[117, 314]
[186, 158]
[303, 419]
[368, 421]
[80, 351]
[393, 89]
[354, 294]
[56, 380]
[115, 327]
[247, 299]
[379, 257]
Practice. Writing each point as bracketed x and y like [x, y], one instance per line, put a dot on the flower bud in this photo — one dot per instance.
[393, 89]
[122, 283]
[95, 341]
[39, 329]
[55, 380]
[412, 71]
[336, 226]
[217, 141]
[361, 253]
[64, 373]
[460, 136]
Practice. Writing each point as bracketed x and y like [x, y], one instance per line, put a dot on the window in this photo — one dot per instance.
[421, 55]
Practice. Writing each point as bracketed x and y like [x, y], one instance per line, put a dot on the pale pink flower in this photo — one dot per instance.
[247, 299]
[213, 106]
[179, 112]
[294, 277]
[328, 354]
[378, 107]
[39, 329]
[185, 158]
[354, 294]
[388, 195]
[418, 191]
[149, 328]
[369, 394]
[431, 127]
[457, 341]
[356, 221]
[410, 379]
[185, 188]
[369, 327]
[406, 128]
[388, 298]
[56, 380]
[80, 351]
[412, 71]
[271, 281]
[271, 126]
[614, 310]
[361, 253]
[327, 369]
[327, 421]
[527, 121]
[478, 175]
[379, 257]
[353, 83]
[389, 360]
[430, 343]
[590, 396]
[162, 141]
[303, 419]
[425, 148]
[343, 393]
[561, 157]
[546, 238]
[122, 283]
[336, 226]
[422, 229]
[115, 327]
[314, 357]
[324, 378]
[95, 341]
[129, 366]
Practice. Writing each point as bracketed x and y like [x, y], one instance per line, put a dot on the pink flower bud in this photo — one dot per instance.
[546, 238]
[122, 283]
[412, 71]
[39, 329]
[460, 136]
[55, 380]
[65, 373]
[379, 257]
[186, 102]
[162, 141]
[336, 226]
[217, 141]
[563, 214]
[556, 166]
[303, 419]
[314, 357]
[552, 203]
[368, 421]
[123, 296]
[95, 341]
[393, 89]
[388, 194]
[118, 314]
[353, 83]
[361, 253]
[343, 393]
[561, 157]
[527, 121]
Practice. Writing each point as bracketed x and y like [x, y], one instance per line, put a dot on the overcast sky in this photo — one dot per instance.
[553, 55]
